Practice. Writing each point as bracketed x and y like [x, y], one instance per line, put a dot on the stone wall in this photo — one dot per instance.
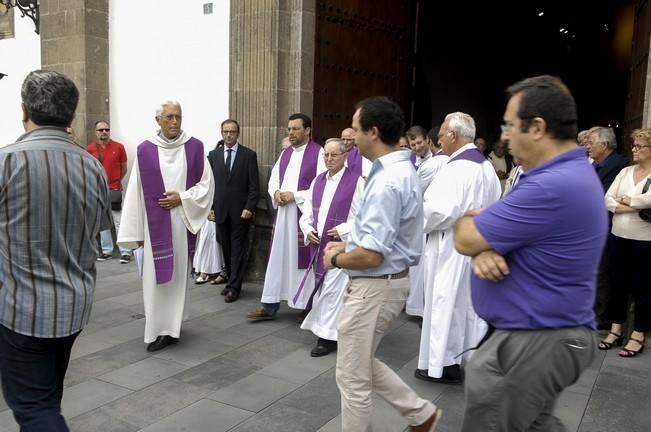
[74, 41]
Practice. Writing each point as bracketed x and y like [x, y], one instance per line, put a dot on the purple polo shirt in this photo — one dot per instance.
[551, 230]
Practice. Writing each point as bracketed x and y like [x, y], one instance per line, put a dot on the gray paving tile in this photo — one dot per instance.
[128, 299]
[156, 402]
[107, 360]
[143, 373]
[203, 306]
[192, 351]
[216, 373]
[7, 422]
[282, 419]
[263, 351]
[254, 392]
[100, 420]
[569, 408]
[89, 395]
[203, 416]
[299, 367]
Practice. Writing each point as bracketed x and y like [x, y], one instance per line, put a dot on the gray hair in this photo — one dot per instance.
[342, 145]
[166, 103]
[582, 135]
[50, 98]
[606, 136]
[463, 124]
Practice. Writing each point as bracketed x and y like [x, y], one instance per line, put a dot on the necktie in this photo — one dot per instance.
[228, 161]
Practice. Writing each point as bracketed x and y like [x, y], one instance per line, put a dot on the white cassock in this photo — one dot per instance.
[322, 318]
[283, 276]
[416, 300]
[164, 303]
[450, 324]
[208, 257]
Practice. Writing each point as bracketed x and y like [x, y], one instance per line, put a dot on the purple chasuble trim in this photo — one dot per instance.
[471, 154]
[354, 161]
[305, 177]
[412, 158]
[159, 220]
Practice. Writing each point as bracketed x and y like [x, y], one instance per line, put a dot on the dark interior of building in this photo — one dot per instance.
[439, 57]
[467, 54]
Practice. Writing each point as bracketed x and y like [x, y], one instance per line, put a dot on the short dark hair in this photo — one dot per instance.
[549, 98]
[50, 98]
[433, 134]
[384, 114]
[101, 121]
[233, 122]
[416, 131]
[307, 122]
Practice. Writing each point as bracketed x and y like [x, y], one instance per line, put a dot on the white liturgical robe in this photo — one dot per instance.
[164, 303]
[283, 276]
[450, 324]
[322, 318]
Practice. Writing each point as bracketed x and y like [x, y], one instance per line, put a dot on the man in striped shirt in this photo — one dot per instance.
[53, 202]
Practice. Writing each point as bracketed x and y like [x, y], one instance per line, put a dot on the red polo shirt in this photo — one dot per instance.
[111, 157]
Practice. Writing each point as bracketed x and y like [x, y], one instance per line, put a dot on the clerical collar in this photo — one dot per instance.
[336, 176]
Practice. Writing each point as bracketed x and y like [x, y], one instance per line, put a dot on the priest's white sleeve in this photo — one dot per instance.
[442, 200]
[196, 202]
[132, 219]
[343, 229]
[274, 182]
[306, 221]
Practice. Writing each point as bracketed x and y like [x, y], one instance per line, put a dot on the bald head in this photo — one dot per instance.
[348, 137]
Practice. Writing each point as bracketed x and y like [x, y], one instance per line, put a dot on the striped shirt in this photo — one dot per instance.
[53, 203]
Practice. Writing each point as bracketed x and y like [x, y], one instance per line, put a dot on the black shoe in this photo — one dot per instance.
[451, 375]
[161, 342]
[323, 347]
[231, 296]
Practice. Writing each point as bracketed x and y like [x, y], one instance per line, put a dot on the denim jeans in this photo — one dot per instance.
[32, 371]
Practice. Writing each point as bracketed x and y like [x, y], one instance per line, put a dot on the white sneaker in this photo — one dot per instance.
[125, 259]
[104, 257]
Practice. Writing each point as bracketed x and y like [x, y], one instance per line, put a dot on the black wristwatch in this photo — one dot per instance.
[333, 260]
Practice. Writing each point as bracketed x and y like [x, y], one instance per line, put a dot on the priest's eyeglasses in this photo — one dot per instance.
[331, 155]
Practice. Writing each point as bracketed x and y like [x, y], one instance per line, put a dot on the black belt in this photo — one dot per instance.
[401, 275]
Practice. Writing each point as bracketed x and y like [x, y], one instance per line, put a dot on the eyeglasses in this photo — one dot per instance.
[232, 132]
[638, 147]
[103, 130]
[331, 155]
[171, 117]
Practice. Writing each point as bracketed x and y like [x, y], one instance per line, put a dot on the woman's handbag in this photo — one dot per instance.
[116, 199]
[645, 214]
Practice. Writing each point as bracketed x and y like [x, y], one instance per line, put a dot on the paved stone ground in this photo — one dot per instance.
[228, 374]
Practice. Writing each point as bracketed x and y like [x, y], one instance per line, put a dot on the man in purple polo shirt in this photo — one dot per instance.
[535, 258]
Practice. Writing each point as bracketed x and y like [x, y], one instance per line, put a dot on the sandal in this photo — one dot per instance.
[605, 345]
[626, 352]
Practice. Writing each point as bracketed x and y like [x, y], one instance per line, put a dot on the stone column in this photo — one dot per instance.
[271, 76]
[74, 41]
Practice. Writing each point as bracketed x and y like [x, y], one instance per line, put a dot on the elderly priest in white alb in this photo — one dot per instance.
[167, 200]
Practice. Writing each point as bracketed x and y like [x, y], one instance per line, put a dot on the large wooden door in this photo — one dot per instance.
[638, 96]
[363, 48]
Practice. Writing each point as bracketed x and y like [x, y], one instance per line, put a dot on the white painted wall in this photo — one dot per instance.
[18, 57]
[167, 50]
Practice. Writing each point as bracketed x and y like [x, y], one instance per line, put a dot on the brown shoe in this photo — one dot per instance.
[231, 296]
[260, 314]
[430, 424]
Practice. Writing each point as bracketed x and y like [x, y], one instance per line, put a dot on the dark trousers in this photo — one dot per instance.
[32, 371]
[604, 284]
[233, 235]
[628, 270]
[514, 378]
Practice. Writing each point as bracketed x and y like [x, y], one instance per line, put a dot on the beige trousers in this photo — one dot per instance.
[369, 307]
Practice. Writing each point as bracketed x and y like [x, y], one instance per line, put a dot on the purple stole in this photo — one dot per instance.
[471, 154]
[412, 158]
[159, 220]
[337, 213]
[354, 161]
[305, 177]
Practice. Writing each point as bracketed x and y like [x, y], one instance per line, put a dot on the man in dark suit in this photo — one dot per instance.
[235, 170]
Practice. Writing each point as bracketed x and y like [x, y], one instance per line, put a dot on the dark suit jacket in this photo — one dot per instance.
[608, 170]
[236, 191]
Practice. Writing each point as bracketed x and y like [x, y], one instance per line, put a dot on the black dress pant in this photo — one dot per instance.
[32, 371]
[233, 235]
[629, 259]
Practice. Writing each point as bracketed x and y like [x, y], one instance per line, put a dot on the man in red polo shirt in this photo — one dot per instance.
[114, 159]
